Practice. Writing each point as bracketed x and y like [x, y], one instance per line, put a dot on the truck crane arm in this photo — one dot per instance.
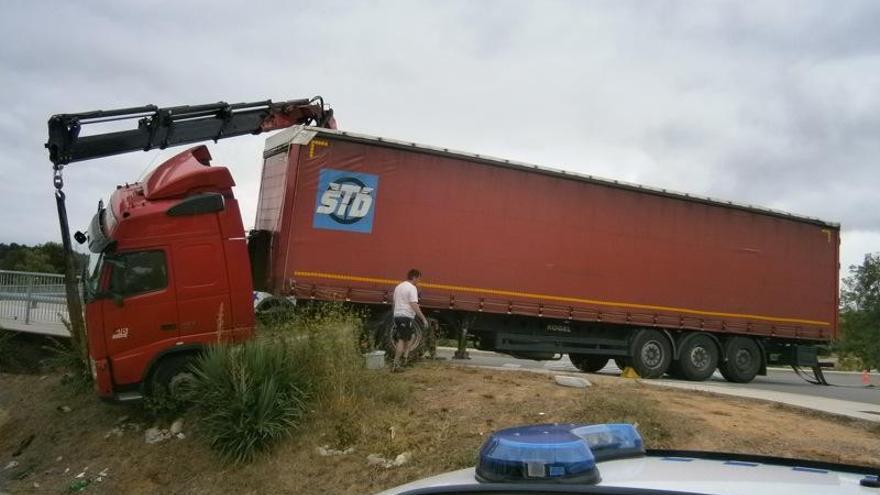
[173, 126]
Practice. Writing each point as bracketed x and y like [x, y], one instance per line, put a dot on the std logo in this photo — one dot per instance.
[345, 201]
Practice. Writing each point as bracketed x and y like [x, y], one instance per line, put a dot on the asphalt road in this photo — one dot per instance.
[845, 386]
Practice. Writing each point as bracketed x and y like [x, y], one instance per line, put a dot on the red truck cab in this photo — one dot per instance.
[169, 274]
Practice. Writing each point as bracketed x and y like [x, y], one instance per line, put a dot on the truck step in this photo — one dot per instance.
[129, 396]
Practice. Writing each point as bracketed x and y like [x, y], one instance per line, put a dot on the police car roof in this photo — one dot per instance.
[716, 475]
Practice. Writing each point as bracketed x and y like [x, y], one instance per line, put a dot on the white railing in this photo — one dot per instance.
[33, 302]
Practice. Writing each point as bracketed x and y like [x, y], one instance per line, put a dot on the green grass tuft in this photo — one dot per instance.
[308, 368]
[248, 397]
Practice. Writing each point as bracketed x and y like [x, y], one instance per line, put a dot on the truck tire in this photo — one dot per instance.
[742, 360]
[382, 337]
[275, 311]
[173, 377]
[651, 353]
[588, 363]
[698, 358]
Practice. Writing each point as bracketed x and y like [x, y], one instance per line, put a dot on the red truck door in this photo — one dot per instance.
[202, 289]
[140, 314]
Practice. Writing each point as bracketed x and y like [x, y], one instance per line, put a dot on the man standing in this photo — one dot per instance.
[406, 308]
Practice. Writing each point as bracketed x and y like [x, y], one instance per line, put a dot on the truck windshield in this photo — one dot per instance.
[93, 274]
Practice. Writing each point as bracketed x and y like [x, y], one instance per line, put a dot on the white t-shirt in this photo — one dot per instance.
[405, 293]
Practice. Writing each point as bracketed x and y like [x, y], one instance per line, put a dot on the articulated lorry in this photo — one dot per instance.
[523, 259]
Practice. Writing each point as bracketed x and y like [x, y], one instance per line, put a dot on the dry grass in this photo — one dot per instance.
[439, 413]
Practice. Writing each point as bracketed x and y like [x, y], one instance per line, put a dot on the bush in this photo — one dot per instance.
[253, 395]
[248, 396]
[658, 425]
[324, 343]
[66, 356]
[160, 405]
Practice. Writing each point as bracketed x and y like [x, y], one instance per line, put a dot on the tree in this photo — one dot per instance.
[43, 258]
[860, 312]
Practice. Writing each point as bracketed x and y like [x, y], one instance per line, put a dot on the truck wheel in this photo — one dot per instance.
[383, 338]
[588, 363]
[697, 360]
[173, 378]
[742, 360]
[274, 311]
[652, 353]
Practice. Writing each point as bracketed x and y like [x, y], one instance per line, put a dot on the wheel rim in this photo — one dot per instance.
[181, 385]
[742, 359]
[652, 354]
[700, 358]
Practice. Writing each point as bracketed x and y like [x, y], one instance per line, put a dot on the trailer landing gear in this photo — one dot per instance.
[818, 377]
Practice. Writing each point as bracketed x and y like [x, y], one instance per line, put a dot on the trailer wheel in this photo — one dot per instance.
[173, 378]
[651, 353]
[274, 311]
[742, 360]
[382, 337]
[697, 360]
[588, 363]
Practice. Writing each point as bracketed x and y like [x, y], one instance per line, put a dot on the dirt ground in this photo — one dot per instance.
[438, 412]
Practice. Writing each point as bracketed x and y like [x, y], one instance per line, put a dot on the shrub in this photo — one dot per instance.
[324, 343]
[248, 396]
[66, 356]
[160, 405]
[251, 396]
[7, 353]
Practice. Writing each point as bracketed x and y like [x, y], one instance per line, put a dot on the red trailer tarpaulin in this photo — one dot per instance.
[351, 214]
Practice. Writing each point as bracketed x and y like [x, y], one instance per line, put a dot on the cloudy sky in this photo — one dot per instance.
[771, 103]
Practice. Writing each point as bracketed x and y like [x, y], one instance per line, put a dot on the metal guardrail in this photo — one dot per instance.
[33, 302]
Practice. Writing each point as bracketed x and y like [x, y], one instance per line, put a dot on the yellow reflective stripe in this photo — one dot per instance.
[529, 295]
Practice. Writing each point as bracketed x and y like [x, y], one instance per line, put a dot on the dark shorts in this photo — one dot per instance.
[403, 328]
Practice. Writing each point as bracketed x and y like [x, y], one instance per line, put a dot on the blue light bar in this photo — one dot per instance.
[612, 441]
[563, 453]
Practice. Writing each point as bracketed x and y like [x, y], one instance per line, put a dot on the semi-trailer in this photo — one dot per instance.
[523, 259]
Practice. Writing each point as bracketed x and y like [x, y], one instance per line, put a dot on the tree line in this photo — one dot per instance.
[42, 258]
[860, 312]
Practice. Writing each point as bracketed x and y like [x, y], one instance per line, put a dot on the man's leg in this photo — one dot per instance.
[408, 340]
[407, 344]
[398, 351]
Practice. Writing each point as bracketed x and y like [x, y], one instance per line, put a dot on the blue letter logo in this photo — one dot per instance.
[345, 201]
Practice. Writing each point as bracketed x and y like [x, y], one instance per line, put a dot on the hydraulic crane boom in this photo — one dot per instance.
[158, 128]
[172, 126]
